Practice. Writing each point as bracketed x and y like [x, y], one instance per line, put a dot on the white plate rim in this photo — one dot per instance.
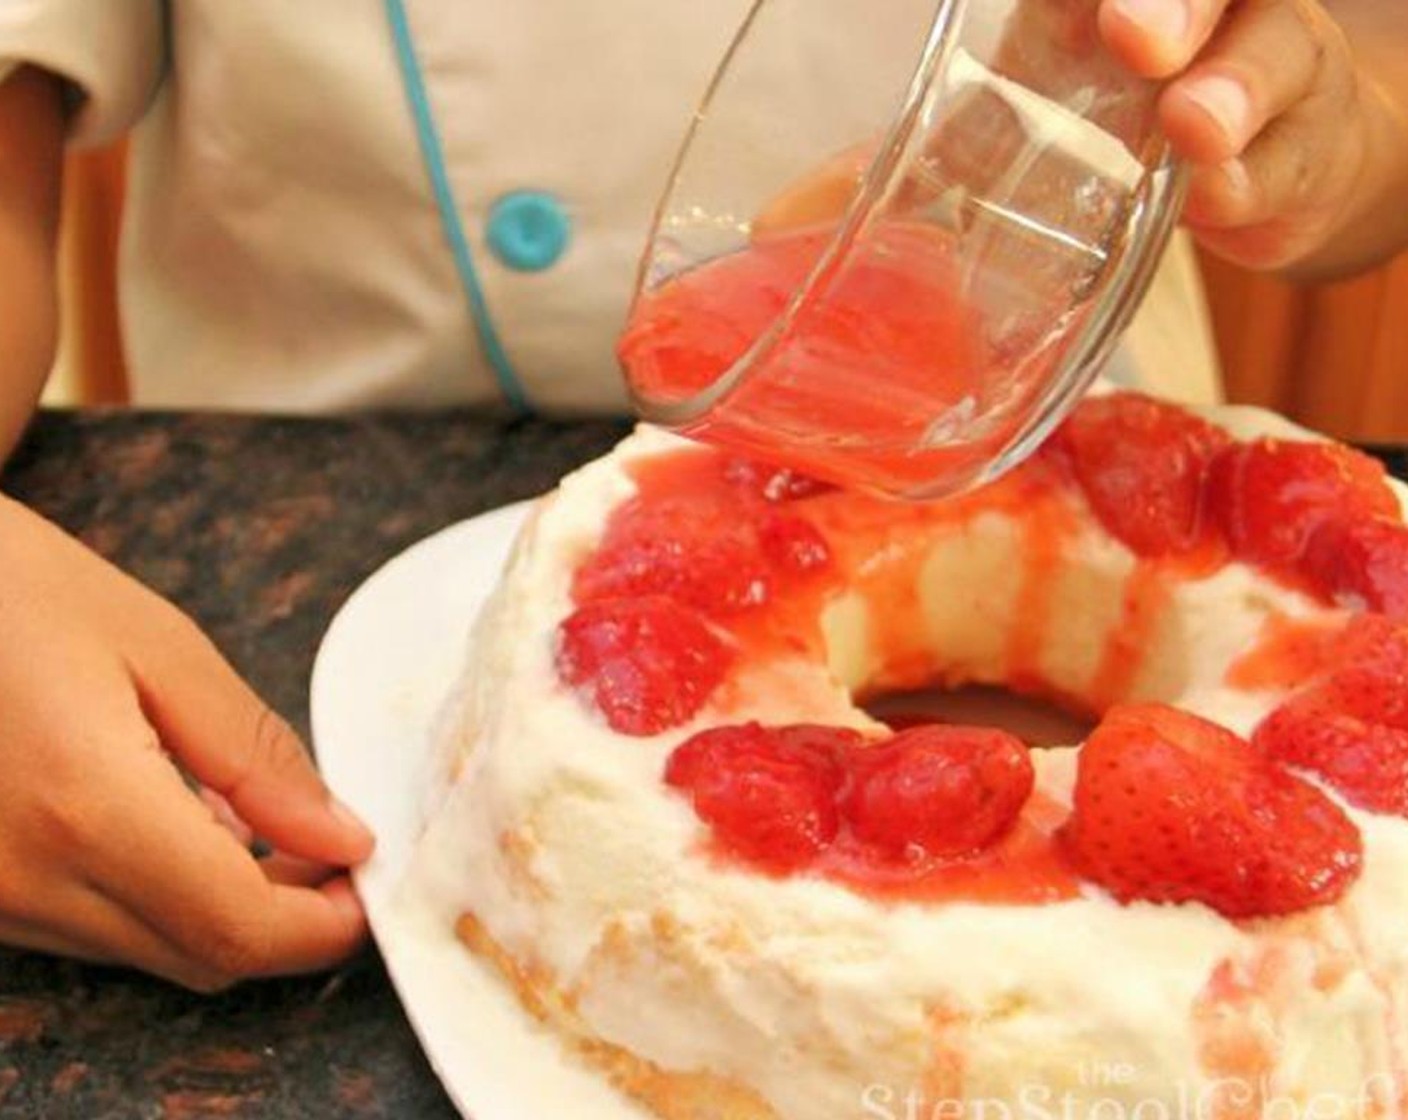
[493, 1060]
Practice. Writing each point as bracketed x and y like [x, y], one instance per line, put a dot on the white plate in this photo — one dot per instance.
[382, 675]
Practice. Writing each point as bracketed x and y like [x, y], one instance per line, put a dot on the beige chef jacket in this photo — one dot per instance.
[349, 203]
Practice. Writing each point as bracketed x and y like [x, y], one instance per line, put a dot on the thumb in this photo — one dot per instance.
[232, 742]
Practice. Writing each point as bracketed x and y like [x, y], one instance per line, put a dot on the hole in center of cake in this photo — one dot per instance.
[1037, 722]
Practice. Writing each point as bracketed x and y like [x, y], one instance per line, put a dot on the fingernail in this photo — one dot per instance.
[349, 820]
[1226, 103]
[1169, 20]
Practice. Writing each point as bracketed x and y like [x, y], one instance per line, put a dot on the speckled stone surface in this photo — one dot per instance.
[259, 528]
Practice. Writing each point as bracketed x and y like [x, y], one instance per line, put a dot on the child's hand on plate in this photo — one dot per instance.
[105, 852]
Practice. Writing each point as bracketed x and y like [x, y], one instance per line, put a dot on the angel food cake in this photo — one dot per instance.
[674, 831]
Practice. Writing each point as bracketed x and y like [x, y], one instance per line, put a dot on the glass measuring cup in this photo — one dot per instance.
[901, 238]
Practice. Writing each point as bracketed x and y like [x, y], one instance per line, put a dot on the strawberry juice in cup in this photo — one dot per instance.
[901, 239]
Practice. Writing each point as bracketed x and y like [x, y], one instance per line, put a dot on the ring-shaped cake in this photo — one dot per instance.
[672, 827]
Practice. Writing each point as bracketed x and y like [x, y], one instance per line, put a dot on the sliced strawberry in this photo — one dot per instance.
[772, 483]
[1369, 694]
[1362, 563]
[768, 794]
[1171, 808]
[1350, 728]
[1373, 643]
[794, 544]
[1141, 464]
[1366, 762]
[646, 664]
[817, 745]
[1369, 678]
[939, 791]
[1271, 495]
[693, 551]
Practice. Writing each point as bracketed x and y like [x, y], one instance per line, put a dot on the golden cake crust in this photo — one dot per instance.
[672, 1095]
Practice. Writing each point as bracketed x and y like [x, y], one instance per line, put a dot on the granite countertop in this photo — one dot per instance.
[259, 528]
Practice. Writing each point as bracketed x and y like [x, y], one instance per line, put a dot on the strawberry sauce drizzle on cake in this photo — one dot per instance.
[747, 556]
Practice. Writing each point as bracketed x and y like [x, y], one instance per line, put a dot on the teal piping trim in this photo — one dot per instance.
[434, 154]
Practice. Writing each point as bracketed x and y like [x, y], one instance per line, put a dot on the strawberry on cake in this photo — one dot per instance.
[673, 830]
